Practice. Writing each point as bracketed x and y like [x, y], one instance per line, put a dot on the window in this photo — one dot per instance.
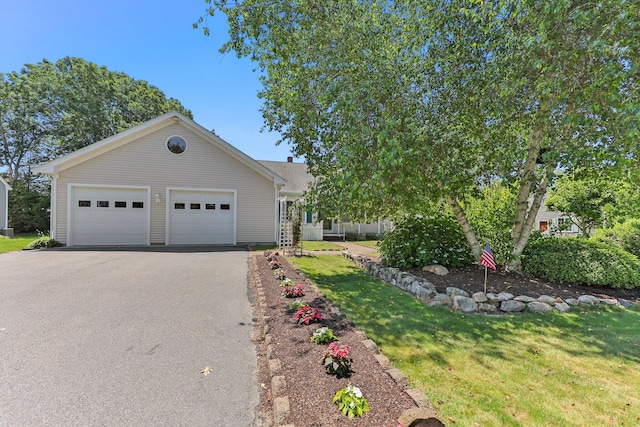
[84, 203]
[309, 217]
[103, 203]
[178, 206]
[210, 206]
[137, 205]
[120, 204]
[194, 206]
[176, 145]
[225, 206]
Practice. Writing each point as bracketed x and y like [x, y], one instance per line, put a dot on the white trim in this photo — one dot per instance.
[5, 220]
[186, 148]
[53, 210]
[167, 222]
[70, 186]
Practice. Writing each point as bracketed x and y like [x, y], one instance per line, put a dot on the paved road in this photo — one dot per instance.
[92, 338]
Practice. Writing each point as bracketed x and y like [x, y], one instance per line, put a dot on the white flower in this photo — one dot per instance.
[351, 405]
[357, 392]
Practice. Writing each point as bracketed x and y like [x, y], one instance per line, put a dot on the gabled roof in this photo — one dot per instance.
[296, 174]
[5, 183]
[136, 132]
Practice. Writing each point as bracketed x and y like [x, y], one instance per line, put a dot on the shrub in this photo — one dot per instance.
[417, 241]
[43, 242]
[625, 235]
[581, 262]
[352, 236]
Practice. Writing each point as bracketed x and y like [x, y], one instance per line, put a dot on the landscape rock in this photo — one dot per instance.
[524, 298]
[440, 270]
[487, 308]
[464, 304]
[505, 296]
[397, 375]
[512, 306]
[547, 299]
[539, 307]
[609, 301]
[624, 303]
[479, 297]
[588, 300]
[562, 307]
[572, 301]
[281, 409]
[443, 299]
[452, 292]
[419, 417]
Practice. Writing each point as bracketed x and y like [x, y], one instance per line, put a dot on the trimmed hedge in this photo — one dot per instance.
[581, 262]
[417, 241]
[625, 235]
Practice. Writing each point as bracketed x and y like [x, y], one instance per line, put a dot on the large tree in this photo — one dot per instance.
[392, 103]
[49, 109]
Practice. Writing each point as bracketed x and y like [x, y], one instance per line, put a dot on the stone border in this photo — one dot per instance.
[424, 412]
[459, 300]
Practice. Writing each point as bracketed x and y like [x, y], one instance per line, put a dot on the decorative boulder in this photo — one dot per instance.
[464, 304]
[512, 306]
[588, 300]
[440, 270]
[562, 307]
[479, 297]
[452, 292]
[540, 307]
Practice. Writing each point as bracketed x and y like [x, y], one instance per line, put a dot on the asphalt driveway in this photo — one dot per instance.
[93, 338]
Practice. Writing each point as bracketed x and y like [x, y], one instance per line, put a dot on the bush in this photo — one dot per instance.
[44, 242]
[581, 262]
[417, 241]
[625, 236]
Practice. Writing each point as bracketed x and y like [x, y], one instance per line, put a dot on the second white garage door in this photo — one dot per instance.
[198, 217]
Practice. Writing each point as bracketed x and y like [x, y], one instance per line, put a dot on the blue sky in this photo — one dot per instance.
[150, 40]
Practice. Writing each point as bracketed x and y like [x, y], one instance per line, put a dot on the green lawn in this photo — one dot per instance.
[368, 243]
[17, 243]
[320, 245]
[579, 369]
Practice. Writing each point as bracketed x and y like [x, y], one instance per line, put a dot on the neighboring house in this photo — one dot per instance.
[4, 204]
[554, 222]
[168, 181]
[313, 226]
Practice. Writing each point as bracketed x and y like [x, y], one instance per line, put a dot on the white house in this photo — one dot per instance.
[168, 181]
[554, 222]
[4, 204]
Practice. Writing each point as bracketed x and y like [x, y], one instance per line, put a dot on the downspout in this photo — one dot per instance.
[52, 205]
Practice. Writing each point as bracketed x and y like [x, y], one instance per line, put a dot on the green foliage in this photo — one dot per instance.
[584, 200]
[581, 262]
[491, 215]
[29, 202]
[323, 335]
[394, 103]
[351, 402]
[297, 304]
[625, 236]
[43, 241]
[417, 241]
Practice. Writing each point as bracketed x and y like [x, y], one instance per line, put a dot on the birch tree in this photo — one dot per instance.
[395, 103]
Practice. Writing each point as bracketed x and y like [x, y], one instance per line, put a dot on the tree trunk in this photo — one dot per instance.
[476, 249]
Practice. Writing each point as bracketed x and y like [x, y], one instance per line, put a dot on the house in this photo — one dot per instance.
[168, 181]
[315, 226]
[4, 206]
[554, 222]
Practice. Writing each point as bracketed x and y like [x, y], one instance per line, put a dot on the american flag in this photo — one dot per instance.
[487, 258]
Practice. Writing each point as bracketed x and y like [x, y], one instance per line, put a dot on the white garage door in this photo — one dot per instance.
[109, 216]
[201, 217]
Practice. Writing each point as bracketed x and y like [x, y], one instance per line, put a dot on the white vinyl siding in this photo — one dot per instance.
[147, 162]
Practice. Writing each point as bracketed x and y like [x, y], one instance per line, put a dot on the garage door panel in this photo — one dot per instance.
[198, 217]
[109, 216]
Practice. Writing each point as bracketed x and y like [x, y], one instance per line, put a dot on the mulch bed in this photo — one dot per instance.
[309, 388]
[471, 279]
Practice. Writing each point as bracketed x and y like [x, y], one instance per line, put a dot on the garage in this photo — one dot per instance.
[201, 217]
[109, 216]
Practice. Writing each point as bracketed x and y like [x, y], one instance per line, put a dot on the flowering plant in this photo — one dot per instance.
[336, 360]
[294, 291]
[351, 401]
[308, 315]
[297, 304]
[286, 282]
[280, 274]
[323, 335]
[275, 264]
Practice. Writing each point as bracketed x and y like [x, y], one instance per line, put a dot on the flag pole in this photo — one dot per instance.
[485, 279]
